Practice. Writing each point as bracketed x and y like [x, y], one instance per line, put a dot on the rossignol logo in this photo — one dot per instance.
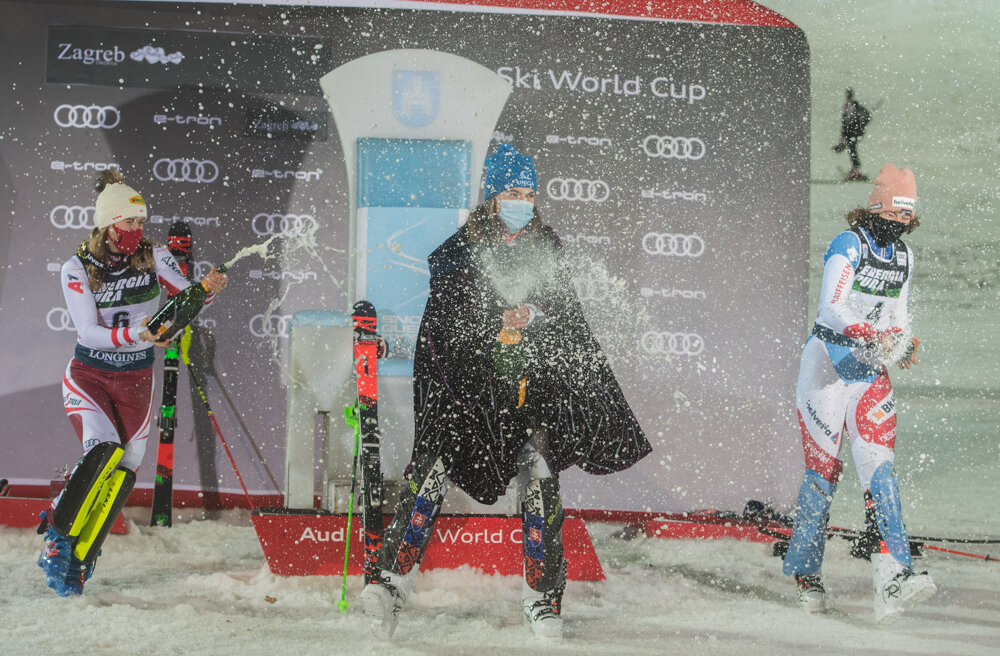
[578, 141]
[197, 220]
[205, 121]
[91, 56]
[588, 240]
[294, 276]
[276, 174]
[152, 55]
[672, 292]
[668, 194]
[614, 84]
[82, 166]
[87, 116]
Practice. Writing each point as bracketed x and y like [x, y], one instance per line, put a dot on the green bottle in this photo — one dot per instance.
[179, 310]
[508, 354]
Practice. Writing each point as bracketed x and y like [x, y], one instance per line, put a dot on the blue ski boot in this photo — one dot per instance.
[55, 562]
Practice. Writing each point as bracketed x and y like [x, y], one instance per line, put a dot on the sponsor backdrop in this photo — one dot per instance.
[672, 160]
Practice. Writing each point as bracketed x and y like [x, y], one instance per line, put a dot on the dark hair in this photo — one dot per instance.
[484, 223]
[859, 216]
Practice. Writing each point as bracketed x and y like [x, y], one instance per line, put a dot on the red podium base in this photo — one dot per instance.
[704, 526]
[306, 543]
[22, 512]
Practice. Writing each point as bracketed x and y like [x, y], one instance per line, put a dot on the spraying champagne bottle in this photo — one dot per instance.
[180, 310]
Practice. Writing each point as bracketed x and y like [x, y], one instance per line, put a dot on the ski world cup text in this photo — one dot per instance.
[453, 536]
[607, 83]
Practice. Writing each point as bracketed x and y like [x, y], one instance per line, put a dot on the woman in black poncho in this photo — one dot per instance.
[508, 382]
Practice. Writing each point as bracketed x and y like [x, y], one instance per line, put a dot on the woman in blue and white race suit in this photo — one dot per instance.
[844, 392]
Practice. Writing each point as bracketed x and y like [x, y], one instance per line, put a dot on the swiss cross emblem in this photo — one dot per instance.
[535, 535]
[418, 520]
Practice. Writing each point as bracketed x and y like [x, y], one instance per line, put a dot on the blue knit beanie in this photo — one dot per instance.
[508, 168]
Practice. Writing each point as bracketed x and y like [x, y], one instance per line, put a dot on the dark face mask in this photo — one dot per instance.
[886, 232]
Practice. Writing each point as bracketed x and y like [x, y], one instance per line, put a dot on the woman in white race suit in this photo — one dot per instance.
[844, 391]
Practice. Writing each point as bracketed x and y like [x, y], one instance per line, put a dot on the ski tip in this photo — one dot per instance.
[364, 308]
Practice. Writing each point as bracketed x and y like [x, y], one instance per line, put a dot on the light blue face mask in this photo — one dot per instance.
[516, 214]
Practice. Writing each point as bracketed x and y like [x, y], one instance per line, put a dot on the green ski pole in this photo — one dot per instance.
[351, 417]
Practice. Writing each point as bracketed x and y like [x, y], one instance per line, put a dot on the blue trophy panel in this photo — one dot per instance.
[412, 195]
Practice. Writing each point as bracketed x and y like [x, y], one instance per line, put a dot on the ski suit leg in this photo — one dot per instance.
[405, 539]
[872, 432]
[821, 400]
[106, 406]
[852, 150]
[541, 522]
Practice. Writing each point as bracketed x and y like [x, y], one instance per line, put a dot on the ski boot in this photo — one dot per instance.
[383, 600]
[897, 588]
[810, 593]
[78, 574]
[543, 610]
[55, 562]
[855, 175]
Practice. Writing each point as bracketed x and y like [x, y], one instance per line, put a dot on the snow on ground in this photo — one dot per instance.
[202, 587]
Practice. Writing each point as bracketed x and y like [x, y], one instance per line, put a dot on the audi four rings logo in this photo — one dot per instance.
[672, 343]
[592, 290]
[200, 269]
[586, 191]
[72, 216]
[270, 325]
[663, 243]
[59, 319]
[286, 225]
[674, 147]
[86, 116]
[185, 170]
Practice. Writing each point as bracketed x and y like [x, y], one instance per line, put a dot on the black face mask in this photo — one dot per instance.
[886, 232]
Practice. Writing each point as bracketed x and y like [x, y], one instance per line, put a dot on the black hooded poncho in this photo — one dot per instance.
[468, 414]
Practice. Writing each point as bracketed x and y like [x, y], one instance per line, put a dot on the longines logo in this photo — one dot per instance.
[279, 127]
[83, 166]
[167, 119]
[277, 174]
[196, 220]
[667, 194]
[578, 141]
[606, 83]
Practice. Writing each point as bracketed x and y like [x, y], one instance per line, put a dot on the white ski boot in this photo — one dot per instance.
[384, 599]
[542, 612]
[897, 588]
[810, 593]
